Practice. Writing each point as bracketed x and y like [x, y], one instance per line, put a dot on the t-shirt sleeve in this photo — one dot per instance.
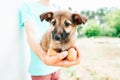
[25, 14]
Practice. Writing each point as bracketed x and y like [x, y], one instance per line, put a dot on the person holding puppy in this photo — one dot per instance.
[42, 66]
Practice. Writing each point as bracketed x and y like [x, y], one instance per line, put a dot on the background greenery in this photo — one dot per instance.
[102, 22]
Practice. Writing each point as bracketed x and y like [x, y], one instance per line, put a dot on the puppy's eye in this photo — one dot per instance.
[53, 22]
[67, 23]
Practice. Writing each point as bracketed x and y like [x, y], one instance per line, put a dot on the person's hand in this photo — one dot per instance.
[59, 59]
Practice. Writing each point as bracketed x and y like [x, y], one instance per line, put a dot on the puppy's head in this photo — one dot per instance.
[63, 24]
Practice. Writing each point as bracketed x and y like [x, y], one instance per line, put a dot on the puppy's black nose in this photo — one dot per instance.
[57, 37]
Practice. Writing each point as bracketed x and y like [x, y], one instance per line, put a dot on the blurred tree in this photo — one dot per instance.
[113, 20]
[97, 15]
[79, 30]
[92, 29]
[108, 19]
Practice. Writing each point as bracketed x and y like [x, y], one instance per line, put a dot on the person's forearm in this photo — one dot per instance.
[34, 45]
[36, 48]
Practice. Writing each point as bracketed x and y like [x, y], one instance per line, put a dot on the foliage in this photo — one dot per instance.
[97, 15]
[107, 31]
[79, 31]
[103, 22]
[92, 29]
[113, 20]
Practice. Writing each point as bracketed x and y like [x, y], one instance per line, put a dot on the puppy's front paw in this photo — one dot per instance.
[51, 52]
[72, 54]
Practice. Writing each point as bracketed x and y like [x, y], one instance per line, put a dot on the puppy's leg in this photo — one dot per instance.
[72, 54]
[45, 41]
[51, 52]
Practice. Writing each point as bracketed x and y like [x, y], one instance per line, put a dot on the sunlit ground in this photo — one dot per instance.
[100, 60]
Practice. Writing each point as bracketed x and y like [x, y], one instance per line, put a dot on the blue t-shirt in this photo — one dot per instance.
[32, 10]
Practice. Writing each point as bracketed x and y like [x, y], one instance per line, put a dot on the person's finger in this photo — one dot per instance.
[57, 58]
[66, 63]
[62, 55]
[77, 49]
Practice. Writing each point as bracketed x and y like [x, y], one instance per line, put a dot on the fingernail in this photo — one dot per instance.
[65, 52]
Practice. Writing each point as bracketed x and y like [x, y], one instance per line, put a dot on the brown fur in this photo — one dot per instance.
[60, 17]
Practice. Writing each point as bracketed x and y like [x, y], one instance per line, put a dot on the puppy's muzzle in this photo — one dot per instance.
[59, 36]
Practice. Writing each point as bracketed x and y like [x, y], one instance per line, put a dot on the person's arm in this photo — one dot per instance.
[56, 60]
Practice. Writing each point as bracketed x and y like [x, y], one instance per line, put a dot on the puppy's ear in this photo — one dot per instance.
[79, 19]
[47, 16]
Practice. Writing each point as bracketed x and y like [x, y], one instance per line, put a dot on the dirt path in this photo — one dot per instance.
[100, 60]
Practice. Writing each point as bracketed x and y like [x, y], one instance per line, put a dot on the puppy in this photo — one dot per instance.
[62, 34]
